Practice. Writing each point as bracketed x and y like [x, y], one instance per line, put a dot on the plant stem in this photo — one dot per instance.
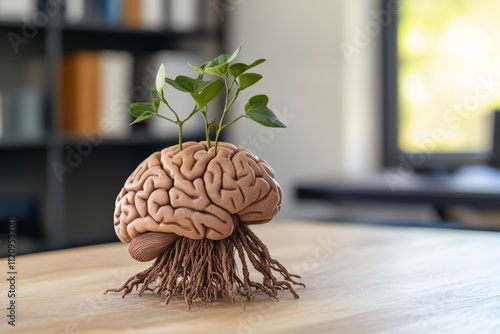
[216, 142]
[180, 136]
[232, 122]
[207, 127]
[226, 108]
[208, 140]
[179, 123]
[190, 115]
[223, 127]
[168, 119]
[169, 107]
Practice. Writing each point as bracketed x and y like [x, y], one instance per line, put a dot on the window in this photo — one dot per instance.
[441, 62]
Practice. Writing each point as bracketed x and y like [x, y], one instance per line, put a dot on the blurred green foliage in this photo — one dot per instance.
[448, 74]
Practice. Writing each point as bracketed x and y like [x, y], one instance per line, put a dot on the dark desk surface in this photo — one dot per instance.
[472, 186]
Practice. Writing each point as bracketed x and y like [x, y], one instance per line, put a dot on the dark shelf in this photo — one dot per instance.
[17, 25]
[22, 143]
[136, 139]
[85, 36]
[124, 30]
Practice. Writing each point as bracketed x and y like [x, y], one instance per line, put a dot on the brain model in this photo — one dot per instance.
[190, 210]
[196, 194]
[190, 206]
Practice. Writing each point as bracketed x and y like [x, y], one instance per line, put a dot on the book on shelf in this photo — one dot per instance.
[93, 93]
[112, 11]
[144, 14]
[153, 14]
[1, 115]
[176, 63]
[74, 11]
[22, 114]
[80, 92]
[116, 75]
[131, 15]
[17, 10]
[84, 11]
[177, 15]
[185, 15]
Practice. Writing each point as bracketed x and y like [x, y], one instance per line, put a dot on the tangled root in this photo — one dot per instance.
[202, 270]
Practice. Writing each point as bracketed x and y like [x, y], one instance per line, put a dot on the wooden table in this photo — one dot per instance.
[360, 279]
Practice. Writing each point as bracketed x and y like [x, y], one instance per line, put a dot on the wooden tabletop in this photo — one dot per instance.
[360, 279]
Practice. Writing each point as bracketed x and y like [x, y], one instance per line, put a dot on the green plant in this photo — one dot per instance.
[233, 77]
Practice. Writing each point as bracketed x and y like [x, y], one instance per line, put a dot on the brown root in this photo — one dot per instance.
[204, 270]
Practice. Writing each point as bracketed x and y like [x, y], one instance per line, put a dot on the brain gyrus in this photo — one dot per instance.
[197, 194]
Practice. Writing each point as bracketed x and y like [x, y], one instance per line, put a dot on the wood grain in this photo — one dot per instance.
[360, 279]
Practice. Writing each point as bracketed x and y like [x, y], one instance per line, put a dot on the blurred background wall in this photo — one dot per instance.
[328, 99]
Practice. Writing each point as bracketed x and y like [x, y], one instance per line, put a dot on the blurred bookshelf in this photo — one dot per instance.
[69, 71]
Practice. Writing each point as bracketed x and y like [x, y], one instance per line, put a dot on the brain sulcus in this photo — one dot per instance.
[197, 194]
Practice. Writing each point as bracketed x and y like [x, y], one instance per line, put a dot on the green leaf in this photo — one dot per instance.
[155, 95]
[174, 84]
[220, 64]
[220, 70]
[160, 79]
[198, 70]
[222, 59]
[156, 104]
[208, 94]
[239, 68]
[187, 84]
[266, 117]
[143, 117]
[246, 80]
[142, 111]
[257, 101]
[256, 109]
[139, 108]
[255, 63]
